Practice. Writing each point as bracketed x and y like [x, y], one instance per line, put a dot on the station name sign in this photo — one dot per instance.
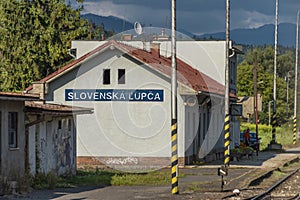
[113, 95]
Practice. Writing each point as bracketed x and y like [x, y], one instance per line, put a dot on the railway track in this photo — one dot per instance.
[286, 188]
[271, 186]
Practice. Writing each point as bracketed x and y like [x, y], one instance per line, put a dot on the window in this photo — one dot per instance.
[13, 129]
[106, 76]
[69, 124]
[121, 76]
[59, 124]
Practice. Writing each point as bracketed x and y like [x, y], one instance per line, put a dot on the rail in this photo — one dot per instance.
[263, 195]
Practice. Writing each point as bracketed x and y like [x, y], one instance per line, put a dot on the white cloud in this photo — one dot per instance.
[104, 8]
[250, 19]
[131, 12]
[197, 16]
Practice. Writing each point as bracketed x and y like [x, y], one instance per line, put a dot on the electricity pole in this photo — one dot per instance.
[274, 117]
[223, 170]
[227, 116]
[174, 158]
[296, 79]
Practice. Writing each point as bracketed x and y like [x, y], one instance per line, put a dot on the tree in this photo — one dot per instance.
[98, 32]
[264, 57]
[35, 38]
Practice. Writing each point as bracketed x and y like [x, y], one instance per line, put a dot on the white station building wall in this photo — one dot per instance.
[206, 56]
[121, 128]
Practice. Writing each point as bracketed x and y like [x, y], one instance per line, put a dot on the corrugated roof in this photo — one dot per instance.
[33, 107]
[18, 96]
[186, 74]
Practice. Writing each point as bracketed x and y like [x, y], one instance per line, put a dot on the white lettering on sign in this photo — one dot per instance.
[113, 95]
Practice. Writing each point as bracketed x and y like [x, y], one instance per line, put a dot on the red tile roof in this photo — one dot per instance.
[185, 73]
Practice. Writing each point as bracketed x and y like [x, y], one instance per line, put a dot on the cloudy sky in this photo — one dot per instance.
[196, 16]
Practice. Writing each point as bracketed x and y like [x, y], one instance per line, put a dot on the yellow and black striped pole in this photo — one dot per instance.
[226, 140]
[174, 158]
[224, 168]
[274, 124]
[227, 115]
[295, 130]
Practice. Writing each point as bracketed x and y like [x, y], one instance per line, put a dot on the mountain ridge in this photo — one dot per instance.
[110, 22]
[263, 35]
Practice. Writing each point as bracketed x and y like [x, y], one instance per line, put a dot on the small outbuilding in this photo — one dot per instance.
[36, 137]
[12, 133]
[51, 138]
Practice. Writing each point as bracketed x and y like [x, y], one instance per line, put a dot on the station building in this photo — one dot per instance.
[128, 88]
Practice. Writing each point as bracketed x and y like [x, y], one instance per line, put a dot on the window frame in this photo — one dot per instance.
[121, 76]
[106, 77]
[12, 130]
[59, 124]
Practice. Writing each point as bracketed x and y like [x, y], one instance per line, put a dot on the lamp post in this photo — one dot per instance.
[287, 94]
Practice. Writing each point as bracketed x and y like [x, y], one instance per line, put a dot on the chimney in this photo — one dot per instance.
[127, 37]
[155, 49]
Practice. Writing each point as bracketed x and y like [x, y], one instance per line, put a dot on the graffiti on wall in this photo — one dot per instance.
[121, 161]
[54, 148]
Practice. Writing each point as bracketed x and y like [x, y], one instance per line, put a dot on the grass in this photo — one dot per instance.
[161, 177]
[152, 178]
[275, 176]
[105, 178]
[284, 134]
[200, 186]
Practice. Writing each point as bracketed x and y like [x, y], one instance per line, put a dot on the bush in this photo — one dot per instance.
[42, 180]
[51, 180]
[4, 186]
[284, 134]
